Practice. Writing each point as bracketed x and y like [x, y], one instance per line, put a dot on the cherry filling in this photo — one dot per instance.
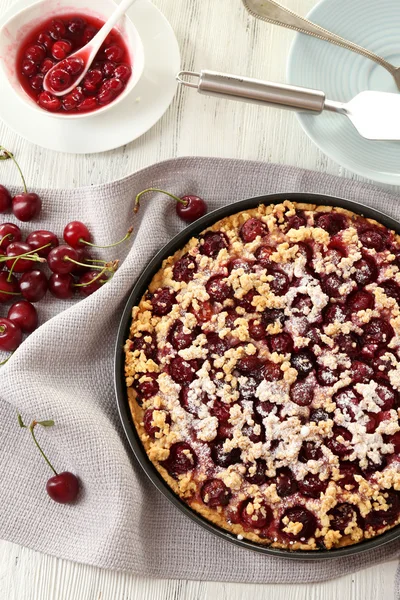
[382, 518]
[255, 472]
[182, 371]
[378, 332]
[296, 221]
[302, 392]
[331, 222]
[255, 515]
[248, 364]
[304, 362]
[331, 284]
[391, 289]
[181, 459]
[178, 339]
[215, 493]
[222, 458]
[149, 426]
[216, 345]
[312, 486]
[272, 371]
[162, 301]
[218, 289]
[146, 386]
[212, 242]
[365, 271]
[336, 446]
[252, 229]
[360, 300]
[342, 515]
[286, 484]
[360, 372]
[299, 514]
[184, 268]
[347, 400]
[310, 451]
[281, 343]
[347, 471]
[263, 256]
[51, 43]
[280, 282]
[145, 343]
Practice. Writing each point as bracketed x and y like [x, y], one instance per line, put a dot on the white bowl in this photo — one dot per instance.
[19, 26]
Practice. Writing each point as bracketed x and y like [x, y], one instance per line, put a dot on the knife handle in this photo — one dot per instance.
[255, 91]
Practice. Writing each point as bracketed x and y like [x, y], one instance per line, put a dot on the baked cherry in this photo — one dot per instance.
[255, 472]
[302, 304]
[319, 415]
[391, 289]
[304, 362]
[181, 459]
[185, 268]
[327, 376]
[347, 399]
[366, 271]
[216, 344]
[272, 371]
[10, 335]
[281, 343]
[312, 486]
[240, 263]
[255, 516]
[61, 286]
[336, 446]
[178, 338]
[280, 282]
[212, 242]
[145, 343]
[218, 288]
[246, 301]
[382, 518]
[378, 331]
[299, 514]
[221, 411]
[148, 424]
[256, 329]
[24, 315]
[286, 484]
[386, 395]
[331, 285]
[5, 199]
[395, 440]
[296, 221]
[334, 313]
[331, 222]
[310, 451]
[347, 471]
[272, 315]
[373, 239]
[302, 392]
[360, 372]
[248, 364]
[349, 343]
[147, 385]
[215, 493]
[222, 458]
[341, 516]
[252, 229]
[182, 371]
[162, 301]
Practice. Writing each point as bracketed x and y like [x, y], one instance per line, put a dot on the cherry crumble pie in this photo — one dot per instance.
[263, 375]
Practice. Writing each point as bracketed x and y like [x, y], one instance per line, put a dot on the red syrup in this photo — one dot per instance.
[52, 43]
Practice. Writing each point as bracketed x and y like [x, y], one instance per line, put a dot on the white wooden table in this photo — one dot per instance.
[214, 35]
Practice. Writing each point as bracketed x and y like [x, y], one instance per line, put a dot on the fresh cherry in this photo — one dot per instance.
[61, 259]
[42, 237]
[91, 281]
[8, 287]
[9, 233]
[33, 285]
[24, 315]
[189, 208]
[5, 199]
[10, 335]
[21, 257]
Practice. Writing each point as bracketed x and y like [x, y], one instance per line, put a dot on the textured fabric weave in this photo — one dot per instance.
[64, 371]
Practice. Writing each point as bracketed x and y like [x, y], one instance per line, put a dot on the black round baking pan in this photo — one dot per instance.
[123, 333]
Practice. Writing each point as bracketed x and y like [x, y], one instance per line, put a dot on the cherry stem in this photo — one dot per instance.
[9, 293]
[11, 155]
[96, 260]
[108, 267]
[69, 259]
[6, 360]
[31, 254]
[126, 237]
[140, 194]
[31, 429]
[5, 237]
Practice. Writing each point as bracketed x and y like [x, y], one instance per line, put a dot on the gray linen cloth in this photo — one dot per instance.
[64, 371]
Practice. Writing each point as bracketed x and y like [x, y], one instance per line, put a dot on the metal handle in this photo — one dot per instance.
[255, 91]
[274, 13]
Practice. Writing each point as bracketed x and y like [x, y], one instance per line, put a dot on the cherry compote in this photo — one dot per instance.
[52, 43]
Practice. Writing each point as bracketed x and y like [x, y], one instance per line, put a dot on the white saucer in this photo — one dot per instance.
[132, 117]
[342, 74]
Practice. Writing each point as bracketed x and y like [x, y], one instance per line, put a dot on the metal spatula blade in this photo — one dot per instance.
[375, 115]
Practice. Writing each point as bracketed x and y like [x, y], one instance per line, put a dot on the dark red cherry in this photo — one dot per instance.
[212, 242]
[5, 199]
[33, 285]
[218, 288]
[304, 362]
[263, 409]
[271, 316]
[331, 284]
[360, 300]
[280, 283]
[326, 376]
[347, 471]
[331, 222]
[336, 446]
[302, 304]
[306, 251]
[90, 281]
[341, 516]
[365, 271]
[255, 472]
[178, 339]
[9, 287]
[10, 335]
[182, 371]
[60, 259]
[349, 343]
[185, 268]
[263, 256]
[299, 514]
[302, 392]
[360, 372]
[281, 343]
[319, 415]
[252, 229]
[204, 313]
[256, 330]
[286, 484]
[18, 265]
[123, 72]
[374, 465]
[42, 237]
[149, 426]
[26, 206]
[391, 289]
[312, 486]
[221, 411]
[240, 263]
[9, 233]
[187, 402]
[162, 301]
[193, 209]
[272, 371]
[378, 331]
[222, 458]
[395, 440]
[63, 487]
[145, 343]
[247, 301]
[248, 364]
[386, 395]
[373, 239]
[215, 344]
[383, 518]
[334, 313]
[215, 493]
[181, 459]
[61, 286]
[347, 399]
[310, 451]
[24, 315]
[296, 221]
[147, 385]
[255, 517]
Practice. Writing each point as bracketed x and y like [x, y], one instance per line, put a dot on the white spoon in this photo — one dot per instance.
[75, 66]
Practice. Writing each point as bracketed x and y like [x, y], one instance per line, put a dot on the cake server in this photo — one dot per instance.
[272, 12]
[375, 115]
